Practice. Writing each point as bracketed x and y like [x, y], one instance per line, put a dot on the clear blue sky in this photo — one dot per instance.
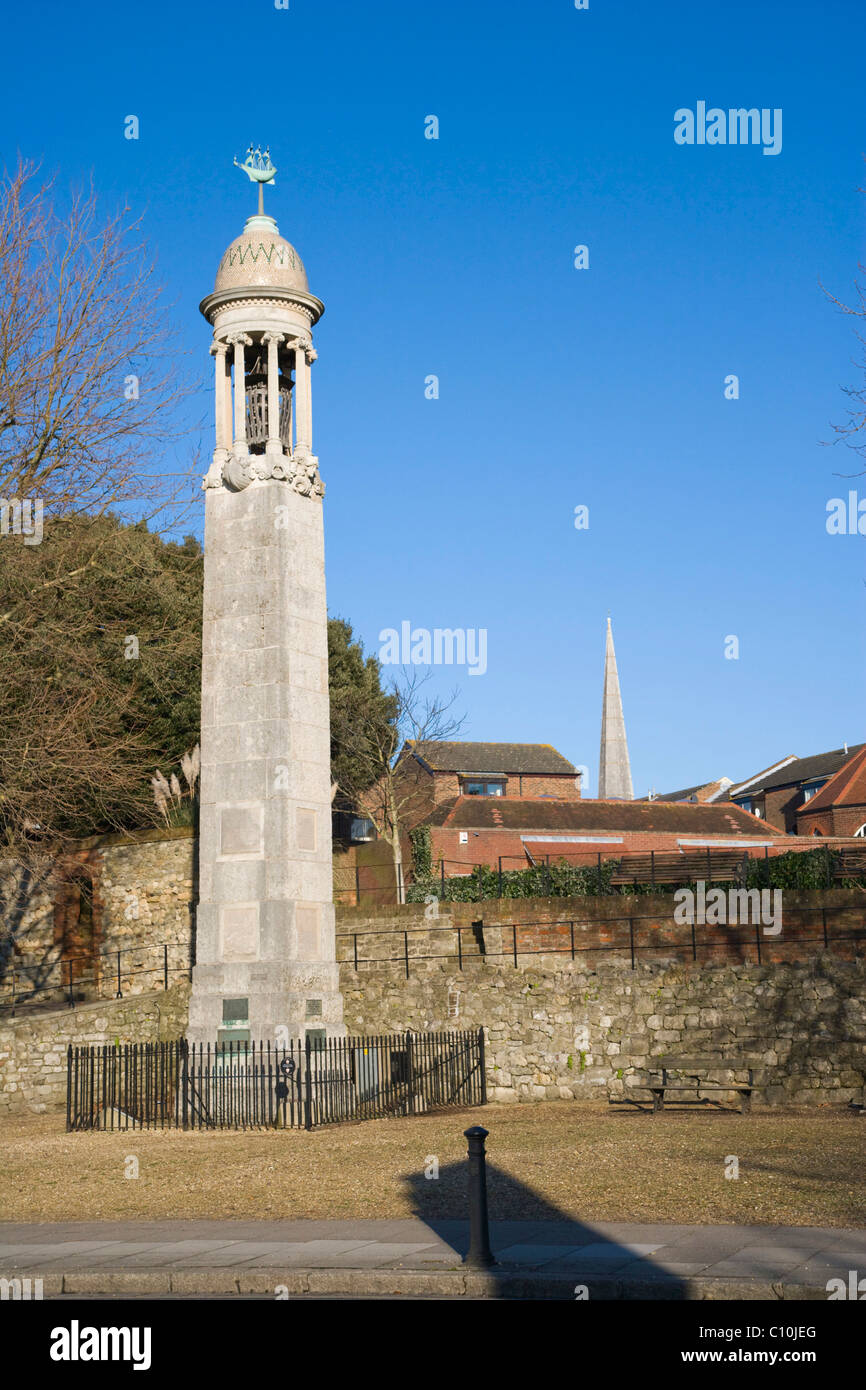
[559, 387]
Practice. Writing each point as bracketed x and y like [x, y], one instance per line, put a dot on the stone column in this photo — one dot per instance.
[311, 357]
[220, 352]
[304, 428]
[227, 398]
[240, 341]
[274, 444]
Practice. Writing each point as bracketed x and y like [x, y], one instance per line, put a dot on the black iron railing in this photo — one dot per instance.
[631, 935]
[84, 976]
[163, 1085]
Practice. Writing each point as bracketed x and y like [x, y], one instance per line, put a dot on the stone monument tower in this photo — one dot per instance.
[265, 956]
[614, 771]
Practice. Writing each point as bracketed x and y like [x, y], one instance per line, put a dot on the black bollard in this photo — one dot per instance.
[479, 1256]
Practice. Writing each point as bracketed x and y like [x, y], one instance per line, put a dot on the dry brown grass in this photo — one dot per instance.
[556, 1159]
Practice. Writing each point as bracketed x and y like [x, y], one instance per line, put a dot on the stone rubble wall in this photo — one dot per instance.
[556, 1027]
[143, 887]
[33, 1048]
[558, 1030]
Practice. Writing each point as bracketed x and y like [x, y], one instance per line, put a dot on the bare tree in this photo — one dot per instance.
[852, 431]
[90, 383]
[89, 377]
[386, 755]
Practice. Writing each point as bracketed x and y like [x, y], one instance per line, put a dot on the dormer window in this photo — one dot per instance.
[483, 787]
[809, 792]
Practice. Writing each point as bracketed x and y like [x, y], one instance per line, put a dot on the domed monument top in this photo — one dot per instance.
[260, 256]
[259, 259]
[262, 314]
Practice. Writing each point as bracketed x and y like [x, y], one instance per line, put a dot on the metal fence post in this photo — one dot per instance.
[479, 1255]
[308, 1084]
[410, 1078]
[192, 936]
[69, 1087]
[184, 1083]
[482, 1065]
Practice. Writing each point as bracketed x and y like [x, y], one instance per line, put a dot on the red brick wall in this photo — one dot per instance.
[562, 786]
[835, 820]
[780, 807]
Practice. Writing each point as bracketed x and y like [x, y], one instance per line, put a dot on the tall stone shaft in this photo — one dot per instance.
[614, 772]
[265, 952]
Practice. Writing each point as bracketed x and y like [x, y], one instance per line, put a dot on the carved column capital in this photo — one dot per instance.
[273, 338]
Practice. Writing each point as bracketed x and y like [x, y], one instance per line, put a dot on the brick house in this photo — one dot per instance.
[442, 771]
[780, 792]
[839, 807]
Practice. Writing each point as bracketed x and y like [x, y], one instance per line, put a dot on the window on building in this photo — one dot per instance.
[861, 833]
[483, 788]
[809, 792]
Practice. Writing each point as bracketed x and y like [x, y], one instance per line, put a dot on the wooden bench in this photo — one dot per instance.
[691, 1067]
[666, 866]
[851, 863]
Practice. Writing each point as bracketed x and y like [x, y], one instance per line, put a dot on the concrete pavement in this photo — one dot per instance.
[535, 1259]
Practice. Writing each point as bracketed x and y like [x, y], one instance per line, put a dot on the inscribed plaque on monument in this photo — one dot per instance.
[306, 829]
[239, 932]
[241, 830]
[307, 922]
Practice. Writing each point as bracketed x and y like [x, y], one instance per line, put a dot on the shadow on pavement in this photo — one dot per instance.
[531, 1236]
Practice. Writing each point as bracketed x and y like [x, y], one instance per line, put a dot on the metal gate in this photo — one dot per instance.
[307, 1083]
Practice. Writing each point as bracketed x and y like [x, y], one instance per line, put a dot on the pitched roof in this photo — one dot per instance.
[846, 788]
[715, 789]
[538, 815]
[526, 758]
[795, 771]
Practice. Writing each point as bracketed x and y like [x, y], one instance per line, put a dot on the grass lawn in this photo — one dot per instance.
[585, 1161]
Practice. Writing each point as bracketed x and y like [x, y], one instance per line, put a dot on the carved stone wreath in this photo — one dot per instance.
[301, 473]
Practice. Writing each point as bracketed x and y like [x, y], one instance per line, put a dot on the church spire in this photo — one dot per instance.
[614, 773]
